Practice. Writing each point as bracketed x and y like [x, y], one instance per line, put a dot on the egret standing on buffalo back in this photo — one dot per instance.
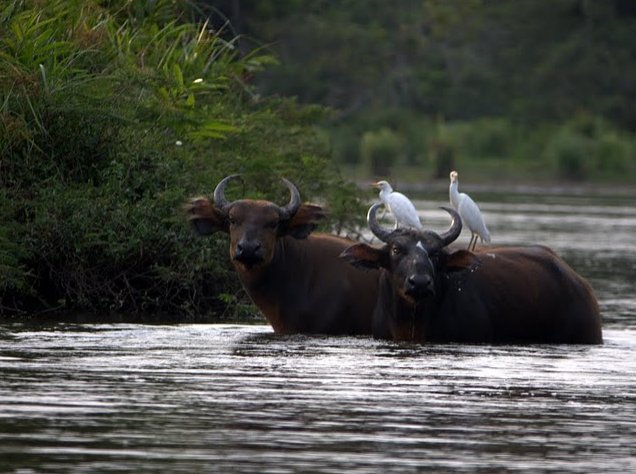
[399, 205]
[469, 212]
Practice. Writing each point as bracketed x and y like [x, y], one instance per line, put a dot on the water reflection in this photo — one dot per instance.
[238, 398]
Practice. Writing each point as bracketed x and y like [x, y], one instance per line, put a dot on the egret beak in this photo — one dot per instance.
[375, 185]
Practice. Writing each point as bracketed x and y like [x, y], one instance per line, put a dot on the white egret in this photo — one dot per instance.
[399, 205]
[469, 212]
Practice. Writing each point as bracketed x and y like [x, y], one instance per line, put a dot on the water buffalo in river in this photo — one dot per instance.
[498, 295]
[294, 277]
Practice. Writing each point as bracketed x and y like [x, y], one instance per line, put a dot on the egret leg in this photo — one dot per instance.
[472, 237]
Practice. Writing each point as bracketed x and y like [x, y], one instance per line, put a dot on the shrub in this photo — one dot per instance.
[13, 275]
[586, 146]
[488, 138]
[613, 153]
[109, 121]
[571, 153]
[442, 154]
[442, 148]
[380, 150]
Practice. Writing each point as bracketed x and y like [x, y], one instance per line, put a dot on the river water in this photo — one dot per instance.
[80, 398]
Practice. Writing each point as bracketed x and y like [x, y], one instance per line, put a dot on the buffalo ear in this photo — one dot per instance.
[304, 221]
[460, 260]
[204, 217]
[364, 256]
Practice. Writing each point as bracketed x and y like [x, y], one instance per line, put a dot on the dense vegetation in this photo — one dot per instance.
[524, 89]
[113, 113]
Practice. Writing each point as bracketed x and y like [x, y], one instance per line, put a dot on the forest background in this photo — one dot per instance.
[113, 113]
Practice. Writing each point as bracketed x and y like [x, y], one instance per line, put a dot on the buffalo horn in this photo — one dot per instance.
[375, 227]
[455, 228]
[290, 209]
[219, 192]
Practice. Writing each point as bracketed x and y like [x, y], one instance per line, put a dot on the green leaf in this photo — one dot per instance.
[163, 93]
[178, 75]
[216, 130]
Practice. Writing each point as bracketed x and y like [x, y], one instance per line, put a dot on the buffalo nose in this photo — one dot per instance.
[420, 284]
[248, 250]
[248, 247]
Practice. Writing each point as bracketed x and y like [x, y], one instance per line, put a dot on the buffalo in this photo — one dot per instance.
[294, 277]
[498, 295]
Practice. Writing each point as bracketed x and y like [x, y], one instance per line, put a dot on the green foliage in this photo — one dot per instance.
[489, 138]
[13, 275]
[443, 157]
[503, 77]
[588, 145]
[380, 150]
[527, 60]
[614, 153]
[571, 154]
[111, 115]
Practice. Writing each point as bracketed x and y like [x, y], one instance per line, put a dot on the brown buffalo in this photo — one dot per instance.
[293, 276]
[498, 295]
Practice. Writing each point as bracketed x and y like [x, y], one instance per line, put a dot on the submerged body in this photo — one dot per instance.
[498, 295]
[306, 289]
[505, 295]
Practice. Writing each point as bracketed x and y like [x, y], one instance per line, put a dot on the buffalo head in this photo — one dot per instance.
[411, 257]
[254, 226]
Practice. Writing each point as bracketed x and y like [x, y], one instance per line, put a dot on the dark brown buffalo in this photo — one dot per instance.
[296, 279]
[498, 295]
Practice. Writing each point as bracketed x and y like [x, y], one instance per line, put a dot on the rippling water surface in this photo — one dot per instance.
[236, 398]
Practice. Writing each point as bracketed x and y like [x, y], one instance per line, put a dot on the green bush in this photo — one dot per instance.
[110, 118]
[488, 138]
[380, 150]
[614, 152]
[345, 145]
[443, 157]
[571, 153]
[13, 274]
[443, 149]
[588, 146]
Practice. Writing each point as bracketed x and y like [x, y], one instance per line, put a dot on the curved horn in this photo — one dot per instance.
[455, 228]
[376, 228]
[219, 192]
[294, 202]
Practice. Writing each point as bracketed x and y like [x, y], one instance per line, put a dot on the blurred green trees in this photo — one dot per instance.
[503, 76]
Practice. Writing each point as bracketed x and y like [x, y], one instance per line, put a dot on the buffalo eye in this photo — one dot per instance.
[395, 250]
[232, 221]
[272, 225]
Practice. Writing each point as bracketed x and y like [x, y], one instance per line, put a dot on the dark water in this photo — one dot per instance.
[224, 398]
